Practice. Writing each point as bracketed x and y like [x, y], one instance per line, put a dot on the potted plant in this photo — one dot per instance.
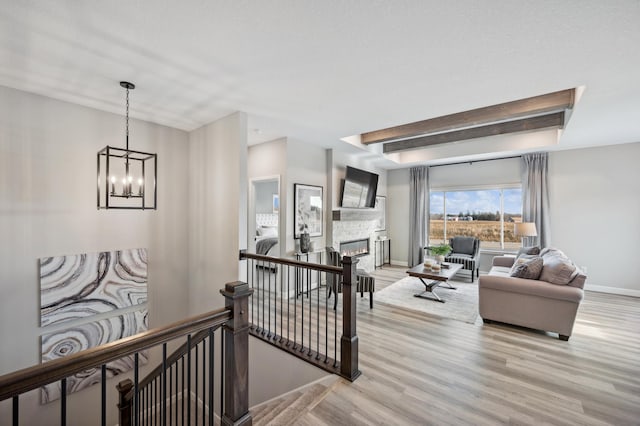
[440, 251]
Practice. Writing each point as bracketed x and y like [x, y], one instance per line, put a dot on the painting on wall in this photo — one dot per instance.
[307, 207]
[83, 285]
[381, 213]
[80, 337]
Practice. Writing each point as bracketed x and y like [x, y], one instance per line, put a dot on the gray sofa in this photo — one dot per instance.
[533, 303]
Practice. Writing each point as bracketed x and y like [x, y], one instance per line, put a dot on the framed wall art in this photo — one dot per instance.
[307, 209]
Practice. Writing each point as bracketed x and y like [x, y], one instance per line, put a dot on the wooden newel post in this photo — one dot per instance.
[124, 403]
[349, 340]
[236, 356]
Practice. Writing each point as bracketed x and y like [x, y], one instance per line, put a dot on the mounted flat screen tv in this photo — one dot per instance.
[359, 189]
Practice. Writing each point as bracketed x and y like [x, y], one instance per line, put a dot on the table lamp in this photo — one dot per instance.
[525, 229]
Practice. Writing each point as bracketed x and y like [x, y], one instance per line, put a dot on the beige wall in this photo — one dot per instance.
[217, 214]
[595, 211]
[48, 207]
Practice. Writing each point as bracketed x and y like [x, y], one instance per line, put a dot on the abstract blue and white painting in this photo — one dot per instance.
[83, 285]
[80, 337]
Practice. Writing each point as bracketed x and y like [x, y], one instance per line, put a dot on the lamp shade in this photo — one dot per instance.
[525, 229]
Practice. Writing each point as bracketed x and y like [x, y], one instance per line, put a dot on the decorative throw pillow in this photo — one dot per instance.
[557, 270]
[533, 250]
[525, 258]
[529, 269]
[552, 251]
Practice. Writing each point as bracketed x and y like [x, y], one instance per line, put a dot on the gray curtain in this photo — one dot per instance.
[418, 214]
[535, 196]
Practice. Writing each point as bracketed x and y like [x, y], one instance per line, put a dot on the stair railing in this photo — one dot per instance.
[290, 309]
[233, 320]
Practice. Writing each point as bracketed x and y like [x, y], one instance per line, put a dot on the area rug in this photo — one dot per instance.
[460, 304]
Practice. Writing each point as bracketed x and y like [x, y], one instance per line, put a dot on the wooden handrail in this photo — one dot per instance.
[27, 379]
[291, 262]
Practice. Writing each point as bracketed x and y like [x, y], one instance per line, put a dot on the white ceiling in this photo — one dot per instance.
[318, 71]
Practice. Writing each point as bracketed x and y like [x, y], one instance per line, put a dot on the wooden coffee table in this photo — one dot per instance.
[435, 279]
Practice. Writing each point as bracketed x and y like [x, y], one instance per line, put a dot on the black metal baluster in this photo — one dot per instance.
[176, 391]
[302, 287]
[211, 377]
[136, 389]
[103, 395]
[310, 308]
[189, 379]
[204, 381]
[279, 272]
[195, 398]
[254, 322]
[295, 310]
[163, 388]
[250, 281]
[326, 319]
[335, 327]
[269, 304]
[318, 318]
[155, 408]
[288, 302]
[182, 400]
[251, 300]
[63, 402]
[263, 332]
[221, 375]
[170, 393]
[16, 410]
[150, 413]
[154, 397]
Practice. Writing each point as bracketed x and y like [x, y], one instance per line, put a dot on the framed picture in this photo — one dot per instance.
[276, 203]
[381, 210]
[307, 210]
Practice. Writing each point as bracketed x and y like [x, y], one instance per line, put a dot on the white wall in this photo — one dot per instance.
[217, 208]
[595, 211]
[305, 165]
[48, 207]
[398, 215]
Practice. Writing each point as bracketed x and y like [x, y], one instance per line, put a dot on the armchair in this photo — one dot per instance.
[364, 281]
[465, 251]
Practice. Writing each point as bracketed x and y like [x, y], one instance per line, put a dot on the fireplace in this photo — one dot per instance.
[355, 248]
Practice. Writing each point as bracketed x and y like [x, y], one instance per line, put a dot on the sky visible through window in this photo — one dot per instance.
[478, 201]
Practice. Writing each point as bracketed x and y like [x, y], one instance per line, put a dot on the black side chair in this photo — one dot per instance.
[364, 281]
[465, 251]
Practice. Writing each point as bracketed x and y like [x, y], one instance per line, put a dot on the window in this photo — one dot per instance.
[487, 214]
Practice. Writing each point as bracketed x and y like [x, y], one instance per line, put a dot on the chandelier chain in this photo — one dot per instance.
[127, 119]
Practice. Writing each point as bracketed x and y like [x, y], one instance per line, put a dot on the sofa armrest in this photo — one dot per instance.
[506, 261]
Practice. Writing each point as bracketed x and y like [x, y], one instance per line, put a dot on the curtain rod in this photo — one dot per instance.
[476, 161]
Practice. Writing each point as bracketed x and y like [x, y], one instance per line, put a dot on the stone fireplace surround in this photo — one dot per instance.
[356, 225]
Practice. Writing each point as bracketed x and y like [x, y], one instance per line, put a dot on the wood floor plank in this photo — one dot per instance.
[420, 369]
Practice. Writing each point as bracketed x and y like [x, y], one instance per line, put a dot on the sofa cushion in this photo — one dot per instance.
[527, 268]
[528, 250]
[558, 270]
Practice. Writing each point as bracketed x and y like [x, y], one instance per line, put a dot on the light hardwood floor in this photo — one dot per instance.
[422, 370]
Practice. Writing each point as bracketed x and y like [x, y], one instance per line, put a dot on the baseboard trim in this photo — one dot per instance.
[612, 290]
[399, 263]
[299, 388]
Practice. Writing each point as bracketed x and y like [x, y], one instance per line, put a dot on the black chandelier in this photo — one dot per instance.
[127, 178]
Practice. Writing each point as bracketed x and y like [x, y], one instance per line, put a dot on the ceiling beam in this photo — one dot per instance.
[550, 102]
[516, 126]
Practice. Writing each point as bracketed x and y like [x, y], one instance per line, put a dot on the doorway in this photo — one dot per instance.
[264, 216]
